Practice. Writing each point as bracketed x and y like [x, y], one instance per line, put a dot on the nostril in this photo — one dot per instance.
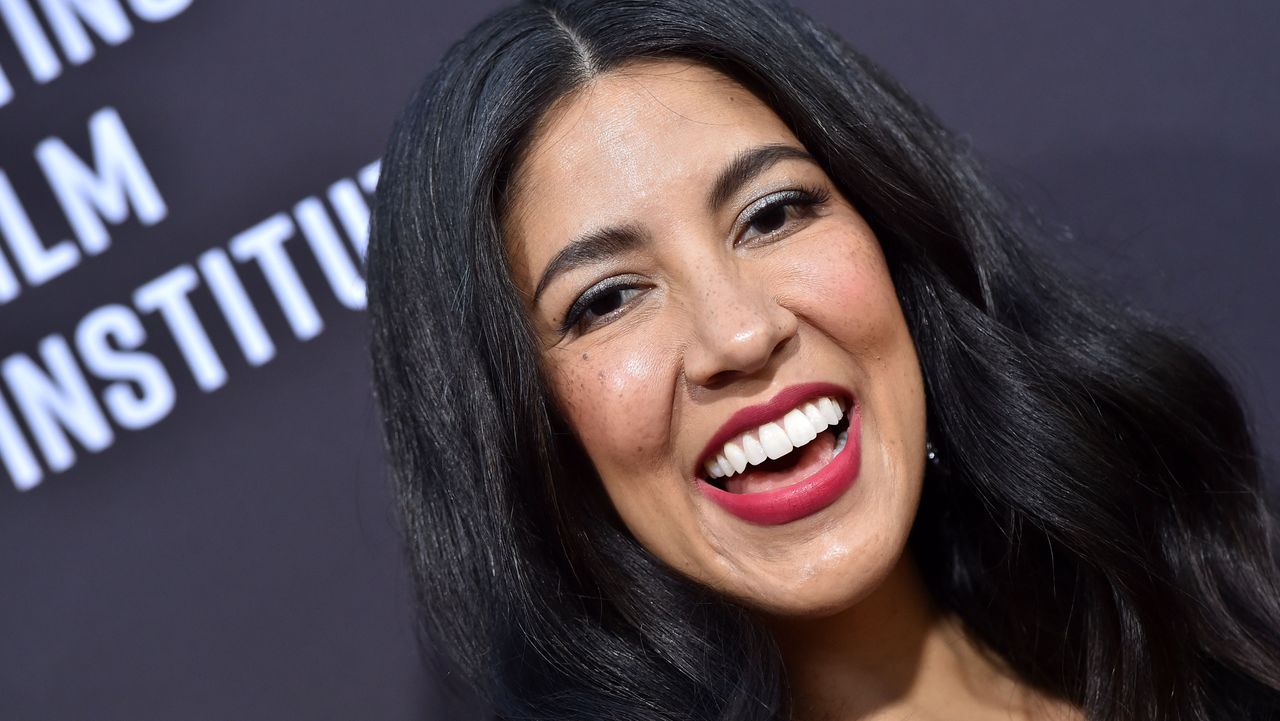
[721, 379]
[782, 343]
[731, 374]
[730, 345]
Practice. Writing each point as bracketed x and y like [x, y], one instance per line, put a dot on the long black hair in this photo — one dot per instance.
[1100, 527]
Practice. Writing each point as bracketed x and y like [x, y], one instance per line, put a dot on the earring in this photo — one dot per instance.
[933, 457]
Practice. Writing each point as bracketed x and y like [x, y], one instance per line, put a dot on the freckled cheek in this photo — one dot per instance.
[618, 400]
[848, 295]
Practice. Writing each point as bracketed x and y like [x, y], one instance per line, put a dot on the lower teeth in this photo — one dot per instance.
[842, 438]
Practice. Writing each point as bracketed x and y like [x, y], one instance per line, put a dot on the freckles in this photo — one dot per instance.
[865, 305]
[616, 403]
[623, 377]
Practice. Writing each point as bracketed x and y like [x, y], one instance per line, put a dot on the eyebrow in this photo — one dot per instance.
[615, 240]
[591, 247]
[748, 164]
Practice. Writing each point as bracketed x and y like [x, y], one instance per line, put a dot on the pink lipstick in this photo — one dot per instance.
[818, 482]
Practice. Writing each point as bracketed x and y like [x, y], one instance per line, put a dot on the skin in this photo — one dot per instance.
[720, 311]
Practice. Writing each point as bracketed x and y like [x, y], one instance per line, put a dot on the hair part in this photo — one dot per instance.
[1101, 529]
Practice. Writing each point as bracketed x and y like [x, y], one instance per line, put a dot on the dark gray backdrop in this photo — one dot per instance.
[237, 559]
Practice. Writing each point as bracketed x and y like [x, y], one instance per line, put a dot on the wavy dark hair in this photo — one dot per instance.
[1101, 529]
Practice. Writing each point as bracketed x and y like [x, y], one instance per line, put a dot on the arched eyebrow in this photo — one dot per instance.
[590, 247]
[601, 244]
[748, 164]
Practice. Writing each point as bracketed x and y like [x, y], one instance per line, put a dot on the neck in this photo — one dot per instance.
[894, 655]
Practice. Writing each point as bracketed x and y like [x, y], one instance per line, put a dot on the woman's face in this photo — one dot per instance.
[721, 333]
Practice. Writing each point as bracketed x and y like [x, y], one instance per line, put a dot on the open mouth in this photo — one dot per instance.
[781, 452]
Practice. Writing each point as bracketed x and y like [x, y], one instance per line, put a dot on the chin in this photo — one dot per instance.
[827, 578]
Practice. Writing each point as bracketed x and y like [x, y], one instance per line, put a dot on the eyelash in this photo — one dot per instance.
[802, 202]
[573, 317]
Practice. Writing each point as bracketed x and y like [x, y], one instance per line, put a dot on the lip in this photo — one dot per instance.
[774, 409]
[802, 498]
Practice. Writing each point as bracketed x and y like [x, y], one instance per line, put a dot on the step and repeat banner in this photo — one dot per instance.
[194, 516]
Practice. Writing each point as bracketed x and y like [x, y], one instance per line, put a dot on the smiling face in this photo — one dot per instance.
[721, 333]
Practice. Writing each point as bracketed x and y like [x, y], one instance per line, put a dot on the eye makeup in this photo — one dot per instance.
[803, 200]
[794, 204]
[596, 294]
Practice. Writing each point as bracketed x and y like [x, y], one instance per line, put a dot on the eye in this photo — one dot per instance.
[600, 304]
[773, 214]
[769, 218]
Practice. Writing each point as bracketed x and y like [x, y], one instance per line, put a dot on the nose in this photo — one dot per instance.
[739, 327]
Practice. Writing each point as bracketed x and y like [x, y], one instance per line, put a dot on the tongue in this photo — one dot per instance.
[808, 460]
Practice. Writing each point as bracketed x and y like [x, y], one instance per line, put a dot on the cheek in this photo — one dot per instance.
[848, 296]
[613, 398]
[841, 285]
[618, 400]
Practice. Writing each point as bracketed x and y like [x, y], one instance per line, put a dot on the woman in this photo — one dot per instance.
[719, 383]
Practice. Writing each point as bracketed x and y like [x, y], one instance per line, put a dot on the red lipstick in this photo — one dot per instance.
[807, 495]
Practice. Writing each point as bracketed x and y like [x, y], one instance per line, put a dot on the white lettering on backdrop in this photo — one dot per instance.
[117, 182]
[52, 395]
[72, 22]
[55, 411]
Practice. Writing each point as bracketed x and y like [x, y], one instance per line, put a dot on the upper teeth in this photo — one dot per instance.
[775, 439]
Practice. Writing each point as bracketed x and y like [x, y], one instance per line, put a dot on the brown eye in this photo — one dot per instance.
[609, 301]
[599, 305]
[771, 215]
[770, 219]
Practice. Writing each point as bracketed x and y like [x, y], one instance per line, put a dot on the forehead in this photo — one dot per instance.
[631, 142]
